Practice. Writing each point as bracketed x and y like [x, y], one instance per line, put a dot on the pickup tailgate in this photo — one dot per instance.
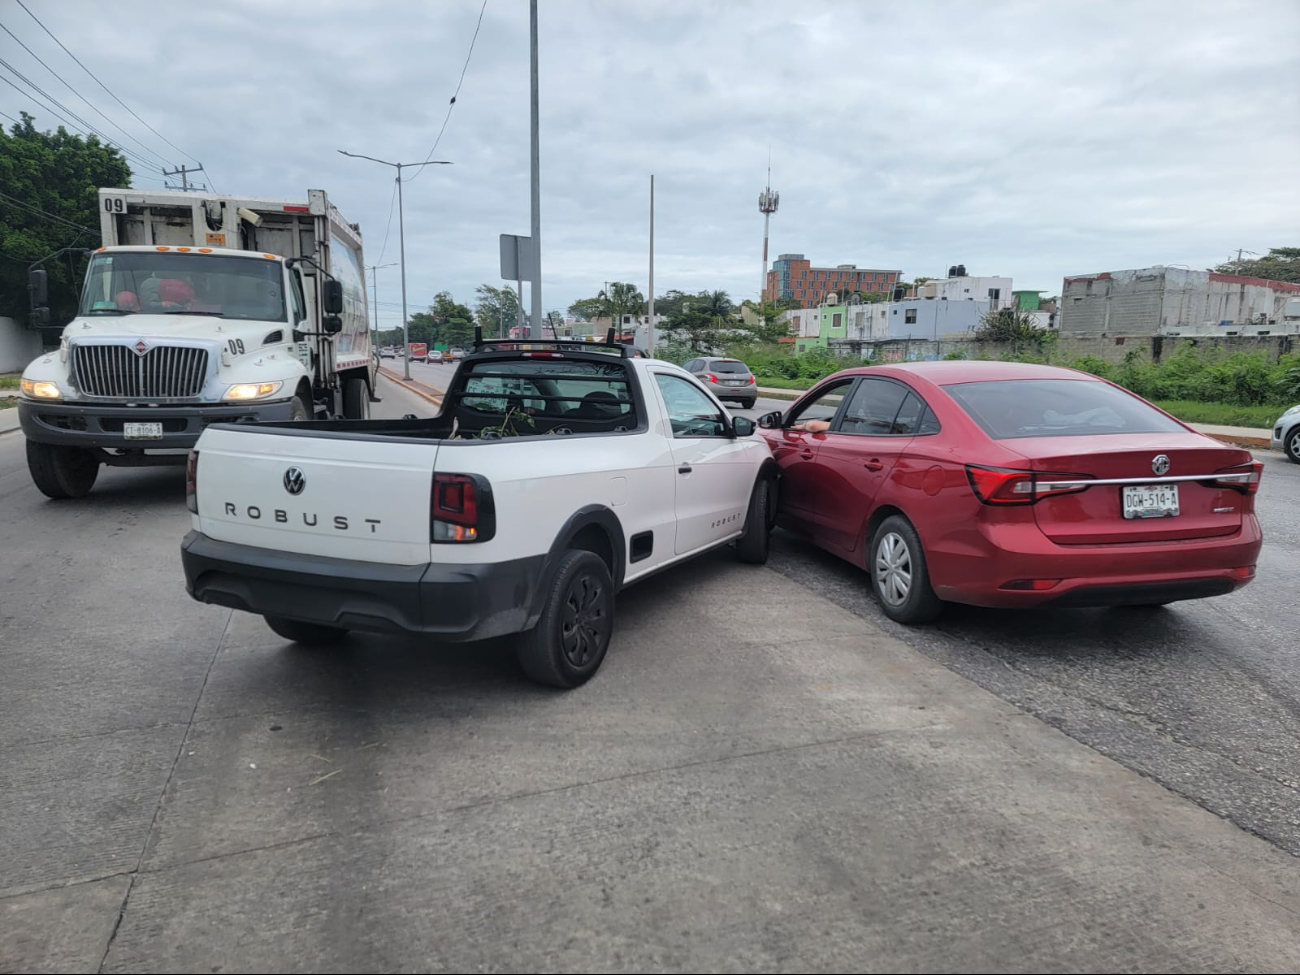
[323, 494]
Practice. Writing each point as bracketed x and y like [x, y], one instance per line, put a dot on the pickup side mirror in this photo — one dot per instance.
[743, 426]
[333, 296]
[771, 421]
[38, 288]
[332, 324]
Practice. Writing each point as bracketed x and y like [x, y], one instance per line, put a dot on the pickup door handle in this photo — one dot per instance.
[806, 454]
[874, 464]
[684, 469]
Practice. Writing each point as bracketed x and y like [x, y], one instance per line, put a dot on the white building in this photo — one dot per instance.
[960, 286]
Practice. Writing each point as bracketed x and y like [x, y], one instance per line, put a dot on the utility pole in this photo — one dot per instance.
[650, 328]
[374, 289]
[535, 320]
[401, 233]
[184, 172]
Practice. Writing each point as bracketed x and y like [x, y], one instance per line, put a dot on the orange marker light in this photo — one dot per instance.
[162, 248]
[269, 257]
[183, 250]
[205, 250]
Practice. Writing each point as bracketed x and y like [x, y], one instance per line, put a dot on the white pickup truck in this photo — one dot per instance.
[555, 474]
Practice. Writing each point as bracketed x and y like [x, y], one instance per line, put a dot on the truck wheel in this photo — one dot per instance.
[310, 634]
[301, 411]
[62, 472]
[569, 642]
[356, 400]
[752, 545]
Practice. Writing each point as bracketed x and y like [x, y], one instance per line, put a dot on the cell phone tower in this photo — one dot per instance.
[768, 201]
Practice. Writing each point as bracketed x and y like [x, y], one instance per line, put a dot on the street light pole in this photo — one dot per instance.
[374, 289]
[401, 232]
[535, 322]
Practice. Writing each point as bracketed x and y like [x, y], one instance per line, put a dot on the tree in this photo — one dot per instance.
[672, 302]
[771, 326]
[586, 308]
[497, 310]
[446, 321]
[54, 177]
[1279, 264]
[622, 299]
[1009, 325]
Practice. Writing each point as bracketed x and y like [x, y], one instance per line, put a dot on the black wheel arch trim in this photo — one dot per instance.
[599, 516]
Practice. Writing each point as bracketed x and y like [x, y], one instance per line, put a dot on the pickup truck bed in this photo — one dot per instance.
[555, 474]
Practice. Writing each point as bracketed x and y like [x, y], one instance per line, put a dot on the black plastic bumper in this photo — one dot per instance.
[452, 602]
[89, 425]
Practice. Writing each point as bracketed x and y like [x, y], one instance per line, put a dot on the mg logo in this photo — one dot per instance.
[140, 347]
[1160, 465]
[294, 480]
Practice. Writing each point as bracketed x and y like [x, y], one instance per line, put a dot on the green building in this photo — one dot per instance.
[1027, 300]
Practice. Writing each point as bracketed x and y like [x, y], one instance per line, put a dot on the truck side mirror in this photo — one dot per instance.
[333, 296]
[38, 289]
[332, 324]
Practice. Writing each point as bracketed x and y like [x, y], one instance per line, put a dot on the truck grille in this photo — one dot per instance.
[117, 372]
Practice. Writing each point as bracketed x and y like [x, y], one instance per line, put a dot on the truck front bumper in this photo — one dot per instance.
[452, 602]
[91, 425]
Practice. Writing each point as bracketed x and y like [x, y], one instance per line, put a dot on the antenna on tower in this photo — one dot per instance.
[768, 201]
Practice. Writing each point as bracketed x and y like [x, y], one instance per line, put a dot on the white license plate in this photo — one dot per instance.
[735, 382]
[1151, 501]
[142, 431]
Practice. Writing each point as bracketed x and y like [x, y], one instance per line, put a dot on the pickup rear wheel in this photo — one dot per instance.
[62, 472]
[566, 647]
[356, 400]
[308, 634]
[752, 545]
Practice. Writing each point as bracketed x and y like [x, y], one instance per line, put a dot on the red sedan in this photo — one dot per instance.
[1005, 484]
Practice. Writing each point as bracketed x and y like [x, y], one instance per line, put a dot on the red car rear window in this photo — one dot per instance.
[1056, 408]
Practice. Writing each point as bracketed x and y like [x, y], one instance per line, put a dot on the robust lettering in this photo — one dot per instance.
[372, 522]
[340, 523]
[230, 509]
[254, 511]
[281, 515]
[309, 524]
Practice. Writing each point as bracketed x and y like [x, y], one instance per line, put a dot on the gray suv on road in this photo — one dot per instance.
[730, 379]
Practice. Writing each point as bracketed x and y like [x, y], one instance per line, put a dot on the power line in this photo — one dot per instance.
[37, 211]
[102, 85]
[134, 175]
[160, 159]
[130, 153]
[454, 94]
[387, 229]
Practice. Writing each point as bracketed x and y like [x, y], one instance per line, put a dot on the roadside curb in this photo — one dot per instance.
[434, 396]
[1255, 443]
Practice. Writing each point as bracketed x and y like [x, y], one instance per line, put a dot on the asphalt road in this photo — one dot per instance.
[755, 781]
[1202, 696]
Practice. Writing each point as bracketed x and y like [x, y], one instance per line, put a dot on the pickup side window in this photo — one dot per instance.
[690, 411]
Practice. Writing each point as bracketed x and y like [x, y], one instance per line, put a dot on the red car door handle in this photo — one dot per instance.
[806, 454]
[874, 464]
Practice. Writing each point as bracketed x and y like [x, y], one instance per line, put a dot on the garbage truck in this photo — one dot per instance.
[196, 309]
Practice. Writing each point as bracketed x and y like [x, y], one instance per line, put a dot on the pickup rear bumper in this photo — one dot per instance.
[454, 603]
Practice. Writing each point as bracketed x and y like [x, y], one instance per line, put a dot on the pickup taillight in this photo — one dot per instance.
[192, 481]
[461, 509]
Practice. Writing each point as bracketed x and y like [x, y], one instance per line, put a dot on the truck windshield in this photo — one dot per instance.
[157, 283]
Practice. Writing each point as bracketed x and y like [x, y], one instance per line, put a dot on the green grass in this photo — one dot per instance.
[7, 403]
[10, 381]
[1222, 414]
[779, 382]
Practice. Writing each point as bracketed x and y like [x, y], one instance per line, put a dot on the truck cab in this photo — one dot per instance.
[176, 330]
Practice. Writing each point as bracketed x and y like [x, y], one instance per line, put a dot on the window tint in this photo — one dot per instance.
[550, 388]
[690, 411]
[695, 365]
[929, 423]
[1056, 408]
[824, 406]
[729, 365]
[873, 407]
[909, 415]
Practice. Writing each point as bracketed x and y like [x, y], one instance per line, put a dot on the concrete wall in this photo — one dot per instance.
[18, 346]
[1171, 301]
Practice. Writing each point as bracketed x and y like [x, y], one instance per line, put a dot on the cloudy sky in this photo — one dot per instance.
[1030, 139]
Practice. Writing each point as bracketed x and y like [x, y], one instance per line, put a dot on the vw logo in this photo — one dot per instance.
[1159, 465]
[140, 347]
[294, 480]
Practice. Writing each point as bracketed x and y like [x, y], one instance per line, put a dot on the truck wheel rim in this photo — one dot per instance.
[585, 622]
[893, 569]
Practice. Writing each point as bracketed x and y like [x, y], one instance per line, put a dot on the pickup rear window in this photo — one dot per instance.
[538, 396]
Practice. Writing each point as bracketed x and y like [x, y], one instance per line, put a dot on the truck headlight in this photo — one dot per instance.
[39, 389]
[246, 391]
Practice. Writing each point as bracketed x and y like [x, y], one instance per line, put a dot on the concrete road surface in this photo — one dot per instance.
[758, 780]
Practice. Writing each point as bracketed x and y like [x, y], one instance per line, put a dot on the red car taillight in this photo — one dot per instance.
[1244, 478]
[461, 509]
[710, 377]
[751, 379]
[999, 486]
[192, 481]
